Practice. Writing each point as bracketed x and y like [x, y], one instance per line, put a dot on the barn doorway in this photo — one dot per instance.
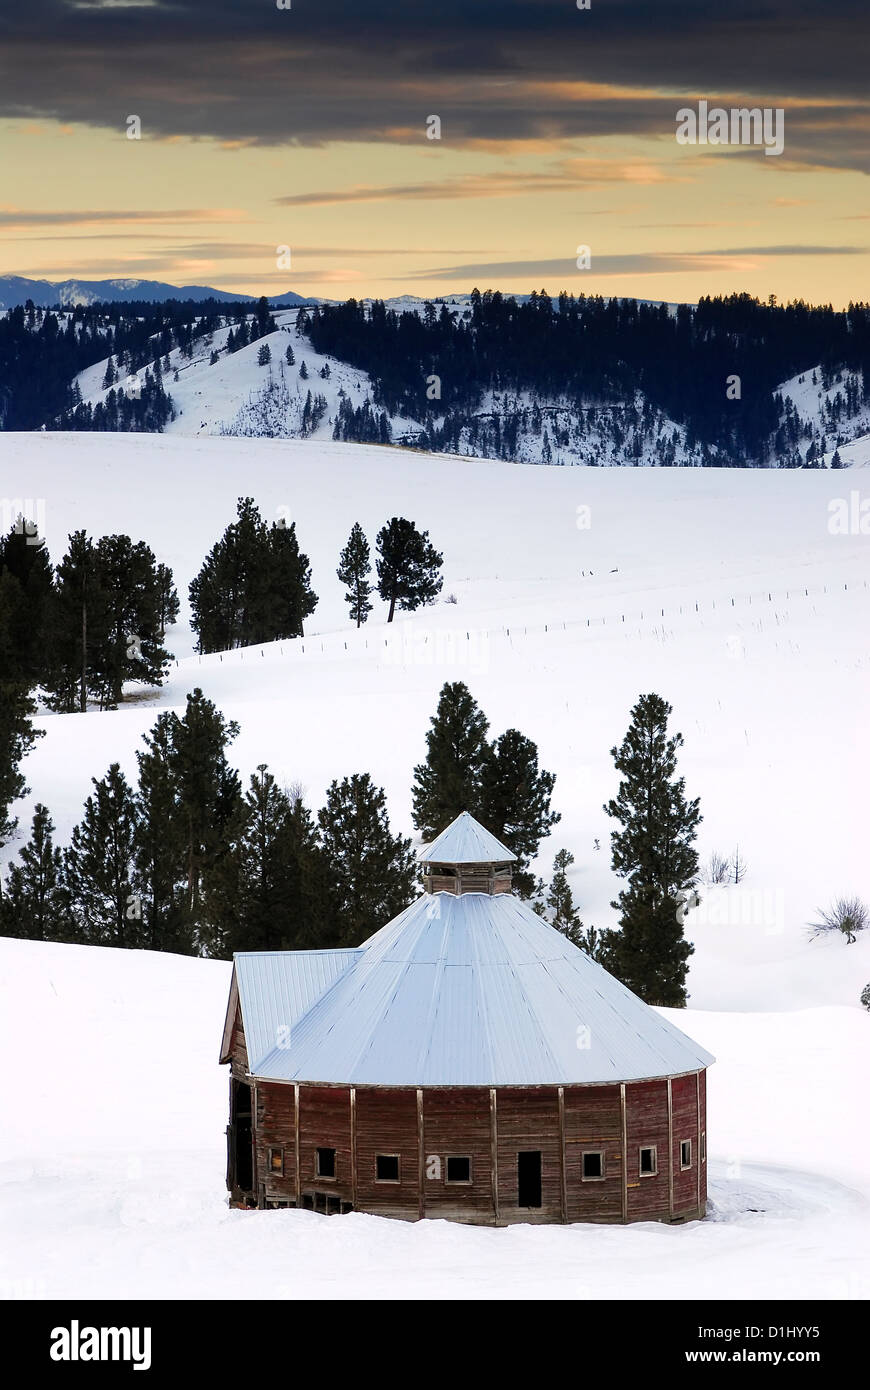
[529, 1178]
[240, 1157]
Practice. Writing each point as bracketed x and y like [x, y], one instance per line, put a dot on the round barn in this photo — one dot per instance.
[467, 1061]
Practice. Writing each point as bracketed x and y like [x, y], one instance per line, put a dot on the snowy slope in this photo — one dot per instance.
[111, 1182]
[560, 578]
[558, 626]
[825, 417]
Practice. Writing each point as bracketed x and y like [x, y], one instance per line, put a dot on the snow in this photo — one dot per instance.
[112, 1183]
[111, 1177]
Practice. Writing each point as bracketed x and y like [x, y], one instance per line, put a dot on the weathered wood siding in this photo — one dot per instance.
[646, 1116]
[593, 1120]
[684, 1099]
[528, 1119]
[275, 1110]
[386, 1123]
[324, 1122]
[457, 1121]
[461, 1121]
[238, 1049]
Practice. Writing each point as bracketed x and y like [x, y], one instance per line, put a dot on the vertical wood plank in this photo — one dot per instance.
[670, 1150]
[493, 1120]
[421, 1157]
[296, 1145]
[562, 1153]
[624, 1154]
[353, 1146]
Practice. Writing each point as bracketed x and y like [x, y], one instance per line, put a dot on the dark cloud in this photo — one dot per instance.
[330, 69]
[565, 269]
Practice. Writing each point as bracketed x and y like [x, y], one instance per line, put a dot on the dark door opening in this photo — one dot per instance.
[529, 1179]
[240, 1157]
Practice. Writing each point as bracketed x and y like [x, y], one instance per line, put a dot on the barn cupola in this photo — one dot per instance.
[466, 858]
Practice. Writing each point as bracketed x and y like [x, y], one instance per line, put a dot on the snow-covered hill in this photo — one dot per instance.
[728, 592]
[111, 1180]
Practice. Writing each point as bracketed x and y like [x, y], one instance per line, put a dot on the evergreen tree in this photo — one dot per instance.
[128, 646]
[160, 878]
[207, 794]
[26, 597]
[272, 895]
[371, 872]
[17, 737]
[515, 801]
[99, 865]
[79, 625]
[167, 600]
[654, 851]
[408, 566]
[303, 371]
[264, 356]
[560, 900]
[354, 568]
[34, 903]
[448, 782]
[254, 585]
[289, 356]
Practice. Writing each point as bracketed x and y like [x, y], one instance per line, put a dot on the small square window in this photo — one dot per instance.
[648, 1164]
[276, 1162]
[458, 1168]
[593, 1165]
[325, 1163]
[387, 1167]
[703, 1146]
[686, 1153]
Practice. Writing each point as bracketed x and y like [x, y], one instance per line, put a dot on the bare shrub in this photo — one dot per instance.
[737, 867]
[716, 869]
[846, 915]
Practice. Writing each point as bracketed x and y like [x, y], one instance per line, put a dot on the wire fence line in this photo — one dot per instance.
[336, 644]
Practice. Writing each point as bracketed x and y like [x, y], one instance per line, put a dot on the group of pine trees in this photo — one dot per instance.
[186, 861]
[73, 634]
[254, 585]
[408, 569]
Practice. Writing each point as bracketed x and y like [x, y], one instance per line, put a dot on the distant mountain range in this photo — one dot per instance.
[15, 290]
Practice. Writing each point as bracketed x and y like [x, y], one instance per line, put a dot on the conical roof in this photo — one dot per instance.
[465, 841]
[473, 990]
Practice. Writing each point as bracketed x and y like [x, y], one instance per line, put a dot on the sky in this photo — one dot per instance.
[293, 145]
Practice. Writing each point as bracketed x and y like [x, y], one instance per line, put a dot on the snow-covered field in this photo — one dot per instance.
[729, 593]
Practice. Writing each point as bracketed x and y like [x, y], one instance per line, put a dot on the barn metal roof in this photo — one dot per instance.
[277, 987]
[465, 841]
[467, 990]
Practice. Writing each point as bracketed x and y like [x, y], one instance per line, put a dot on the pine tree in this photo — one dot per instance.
[254, 585]
[17, 738]
[354, 568]
[99, 865]
[515, 801]
[289, 356]
[371, 872]
[129, 645]
[34, 901]
[79, 624]
[408, 566]
[448, 782]
[560, 900]
[26, 600]
[654, 851]
[303, 371]
[208, 793]
[264, 356]
[160, 877]
[167, 600]
[271, 895]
